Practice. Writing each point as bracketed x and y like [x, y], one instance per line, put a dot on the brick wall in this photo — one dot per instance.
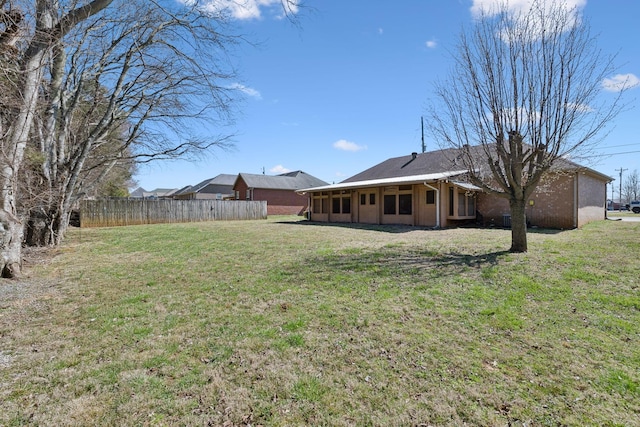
[550, 206]
[591, 199]
[279, 202]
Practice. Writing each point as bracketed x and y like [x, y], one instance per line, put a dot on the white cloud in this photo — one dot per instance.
[582, 108]
[492, 7]
[621, 82]
[279, 169]
[431, 44]
[247, 90]
[246, 9]
[345, 145]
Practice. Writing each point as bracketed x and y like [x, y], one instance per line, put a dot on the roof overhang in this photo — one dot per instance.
[466, 186]
[399, 180]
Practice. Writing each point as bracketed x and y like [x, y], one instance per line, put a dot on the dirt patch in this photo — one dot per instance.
[23, 299]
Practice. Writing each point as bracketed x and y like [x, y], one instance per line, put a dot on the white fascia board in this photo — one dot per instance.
[413, 179]
[466, 186]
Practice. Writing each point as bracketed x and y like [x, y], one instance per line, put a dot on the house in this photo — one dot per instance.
[279, 191]
[218, 188]
[158, 193]
[430, 189]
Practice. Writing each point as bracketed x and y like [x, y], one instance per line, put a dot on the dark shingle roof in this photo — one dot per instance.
[288, 181]
[442, 161]
[413, 164]
[220, 184]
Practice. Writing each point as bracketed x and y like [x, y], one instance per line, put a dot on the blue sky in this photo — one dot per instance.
[346, 88]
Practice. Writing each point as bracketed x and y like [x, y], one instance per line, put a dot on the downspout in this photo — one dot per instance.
[437, 203]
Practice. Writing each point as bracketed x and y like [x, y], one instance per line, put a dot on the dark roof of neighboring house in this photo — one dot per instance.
[224, 179]
[287, 181]
[160, 192]
[184, 190]
[222, 184]
[138, 192]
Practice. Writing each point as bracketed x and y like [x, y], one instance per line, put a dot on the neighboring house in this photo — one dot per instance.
[279, 191]
[430, 189]
[158, 193]
[218, 188]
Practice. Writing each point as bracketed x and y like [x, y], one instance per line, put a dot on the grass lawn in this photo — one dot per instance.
[287, 323]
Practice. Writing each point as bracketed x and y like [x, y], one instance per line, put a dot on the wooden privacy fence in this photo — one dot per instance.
[120, 212]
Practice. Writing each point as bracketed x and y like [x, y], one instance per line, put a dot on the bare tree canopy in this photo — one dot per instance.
[90, 87]
[525, 90]
[630, 187]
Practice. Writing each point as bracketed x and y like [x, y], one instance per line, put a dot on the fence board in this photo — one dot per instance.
[121, 212]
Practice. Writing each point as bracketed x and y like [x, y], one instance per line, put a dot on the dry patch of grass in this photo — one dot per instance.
[283, 322]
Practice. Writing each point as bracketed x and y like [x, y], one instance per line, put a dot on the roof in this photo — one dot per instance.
[222, 179]
[160, 192]
[138, 192]
[287, 181]
[222, 183]
[413, 164]
[431, 166]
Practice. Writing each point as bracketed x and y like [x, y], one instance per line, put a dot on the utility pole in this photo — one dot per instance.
[620, 191]
[424, 147]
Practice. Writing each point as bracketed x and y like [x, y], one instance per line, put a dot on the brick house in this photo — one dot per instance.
[430, 189]
[279, 191]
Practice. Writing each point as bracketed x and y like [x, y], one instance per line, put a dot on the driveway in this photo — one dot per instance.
[634, 218]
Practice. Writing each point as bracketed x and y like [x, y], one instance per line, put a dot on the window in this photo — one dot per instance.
[335, 203]
[346, 205]
[363, 199]
[320, 204]
[461, 204]
[451, 201]
[404, 204]
[248, 194]
[341, 204]
[372, 198]
[390, 204]
[431, 197]
[237, 195]
[471, 206]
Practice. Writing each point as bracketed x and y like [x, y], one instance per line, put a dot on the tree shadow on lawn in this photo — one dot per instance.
[389, 262]
[399, 228]
[387, 228]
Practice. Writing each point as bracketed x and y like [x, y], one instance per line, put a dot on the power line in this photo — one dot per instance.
[616, 146]
[618, 154]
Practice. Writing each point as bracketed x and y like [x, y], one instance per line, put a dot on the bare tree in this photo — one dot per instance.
[631, 187]
[45, 25]
[133, 84]
[95, 83]
[524, 92]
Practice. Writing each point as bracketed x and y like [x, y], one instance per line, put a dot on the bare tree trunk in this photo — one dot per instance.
[518, 225]
[11, 232]
[47, 32]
